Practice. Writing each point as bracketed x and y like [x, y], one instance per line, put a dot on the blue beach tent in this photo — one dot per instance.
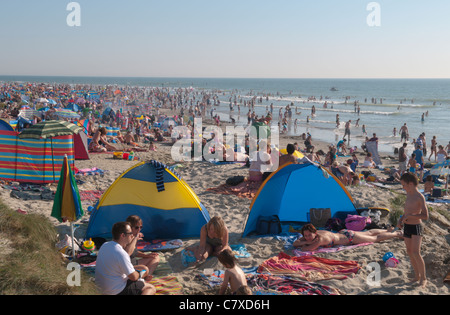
[168, 207]
[293, 190]
[5, 126]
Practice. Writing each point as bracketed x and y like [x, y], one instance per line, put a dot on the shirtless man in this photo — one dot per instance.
[289, 157]
[416, 210]
[313, 238]
[404, 133]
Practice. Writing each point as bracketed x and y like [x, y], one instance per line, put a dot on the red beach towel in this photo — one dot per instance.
[310, 268]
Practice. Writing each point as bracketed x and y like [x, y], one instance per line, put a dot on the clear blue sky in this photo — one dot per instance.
[226, 38]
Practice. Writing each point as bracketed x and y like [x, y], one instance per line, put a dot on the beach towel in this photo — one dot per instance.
[163, 269]
[158, 245]
[187, 257]
[213, 280]
[287, 285]
[168, 285]
[246, 189]
[240, 251]
[90, 171]
[299, 253]
[310, 268]
[91, 195]
[372, 147]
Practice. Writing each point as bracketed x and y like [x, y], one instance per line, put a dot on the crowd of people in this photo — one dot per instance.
[121, 269]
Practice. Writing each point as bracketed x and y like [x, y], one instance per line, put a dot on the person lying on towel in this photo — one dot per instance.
[313, 238]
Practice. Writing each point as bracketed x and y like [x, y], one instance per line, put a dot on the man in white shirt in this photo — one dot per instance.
[114, 272]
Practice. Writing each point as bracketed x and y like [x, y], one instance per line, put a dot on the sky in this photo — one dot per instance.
[227, 38]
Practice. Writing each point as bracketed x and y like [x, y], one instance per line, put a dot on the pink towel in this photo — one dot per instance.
[310, 268]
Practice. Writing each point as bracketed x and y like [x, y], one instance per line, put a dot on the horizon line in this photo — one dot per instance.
[244, 78]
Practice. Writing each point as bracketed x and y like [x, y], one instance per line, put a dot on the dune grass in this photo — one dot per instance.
[29, 261]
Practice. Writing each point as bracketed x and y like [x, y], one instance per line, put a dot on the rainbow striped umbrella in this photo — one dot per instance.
[67, 204]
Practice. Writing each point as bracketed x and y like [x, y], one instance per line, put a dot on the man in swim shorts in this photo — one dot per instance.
[415, 211]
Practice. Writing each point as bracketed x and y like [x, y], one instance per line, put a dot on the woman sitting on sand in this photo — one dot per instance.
[99, 142]
[313, 238]
[213, 239]
[368, 161]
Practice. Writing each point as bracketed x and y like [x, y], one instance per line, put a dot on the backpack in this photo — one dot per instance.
[334, 224]
[268, 225]
[356, 222]
[235, 180]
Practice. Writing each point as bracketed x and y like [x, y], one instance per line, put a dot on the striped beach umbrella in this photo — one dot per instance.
[49, 129]
[67, 203]
[66, 113]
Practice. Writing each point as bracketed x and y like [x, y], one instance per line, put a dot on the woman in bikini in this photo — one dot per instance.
[213, 239]
[313, 238]
[100, 143]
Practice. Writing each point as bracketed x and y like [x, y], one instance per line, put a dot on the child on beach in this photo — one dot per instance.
[152, 146]
[429, 185]
[415, 211]
[412, 163]
[233, 274]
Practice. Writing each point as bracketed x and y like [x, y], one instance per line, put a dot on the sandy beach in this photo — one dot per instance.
[234, 210]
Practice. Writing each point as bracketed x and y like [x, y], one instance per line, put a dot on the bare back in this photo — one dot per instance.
[236, 278]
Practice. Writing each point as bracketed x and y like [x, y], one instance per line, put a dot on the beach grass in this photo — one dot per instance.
[397, 208]
[32, 265]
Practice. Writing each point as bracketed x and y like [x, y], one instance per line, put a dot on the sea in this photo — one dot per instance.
[380, 105]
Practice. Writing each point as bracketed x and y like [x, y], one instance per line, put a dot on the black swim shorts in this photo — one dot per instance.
[412, 229]
[133, 288]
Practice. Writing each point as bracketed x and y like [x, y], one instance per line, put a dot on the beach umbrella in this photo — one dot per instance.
[66, 113]
[41, 100]
[442, 168]
[80, 101]
[50, 128]
[67, 204]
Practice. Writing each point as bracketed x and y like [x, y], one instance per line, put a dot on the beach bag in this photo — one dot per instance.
[235, 180]
[268, 225]
[436, 193]
[319, 216]
[356, 222]
[334, 224]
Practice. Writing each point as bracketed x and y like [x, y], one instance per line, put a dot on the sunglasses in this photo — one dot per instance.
[137, 227]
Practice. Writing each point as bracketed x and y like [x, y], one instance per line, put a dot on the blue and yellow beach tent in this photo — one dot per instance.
[293, 190]
[168, 207]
